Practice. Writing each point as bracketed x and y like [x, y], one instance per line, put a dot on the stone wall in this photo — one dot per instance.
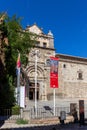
[69, 83]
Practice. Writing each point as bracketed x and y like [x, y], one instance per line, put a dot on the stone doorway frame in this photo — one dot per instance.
[32, 91]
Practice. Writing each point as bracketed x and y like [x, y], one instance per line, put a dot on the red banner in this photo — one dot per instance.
[54, 72]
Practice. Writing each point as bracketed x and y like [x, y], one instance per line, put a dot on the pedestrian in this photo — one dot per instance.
[81, 117]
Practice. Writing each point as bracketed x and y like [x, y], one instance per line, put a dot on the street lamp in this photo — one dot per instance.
[36, 54]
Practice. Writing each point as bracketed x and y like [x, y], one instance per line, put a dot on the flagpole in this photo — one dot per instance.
[18, 79]
[54, 100]
[18, 88]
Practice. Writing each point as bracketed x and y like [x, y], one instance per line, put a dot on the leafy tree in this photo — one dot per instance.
[18, 40]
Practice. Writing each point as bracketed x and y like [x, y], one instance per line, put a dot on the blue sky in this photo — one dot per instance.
[67, 19]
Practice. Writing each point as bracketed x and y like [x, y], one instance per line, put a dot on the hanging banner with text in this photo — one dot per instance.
[54, 72]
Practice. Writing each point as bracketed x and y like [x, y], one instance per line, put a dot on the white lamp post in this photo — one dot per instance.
[36, 52]
[36, 82]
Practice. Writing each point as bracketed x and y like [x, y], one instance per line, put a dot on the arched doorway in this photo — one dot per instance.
[32, 91]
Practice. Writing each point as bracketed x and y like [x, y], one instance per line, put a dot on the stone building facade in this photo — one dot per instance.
[45, 49]
[72, 77]
[72, 71]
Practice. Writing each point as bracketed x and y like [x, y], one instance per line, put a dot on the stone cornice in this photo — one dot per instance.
[72, 59]
[45, 48]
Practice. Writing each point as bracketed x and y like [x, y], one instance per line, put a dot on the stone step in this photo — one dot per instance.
[10, 121]
[54, 120]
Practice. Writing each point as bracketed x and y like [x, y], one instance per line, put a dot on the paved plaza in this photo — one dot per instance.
[43, 127]
[50, 126]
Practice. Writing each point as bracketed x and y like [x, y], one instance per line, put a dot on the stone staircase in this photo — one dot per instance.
[54, 120]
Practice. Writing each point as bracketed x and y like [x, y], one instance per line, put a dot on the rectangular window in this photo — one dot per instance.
[44, 44]
[80, 76]
[37, 43]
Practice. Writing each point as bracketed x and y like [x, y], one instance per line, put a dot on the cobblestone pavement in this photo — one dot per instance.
[10, 126]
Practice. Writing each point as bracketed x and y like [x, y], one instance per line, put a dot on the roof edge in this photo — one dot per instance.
[66, 56]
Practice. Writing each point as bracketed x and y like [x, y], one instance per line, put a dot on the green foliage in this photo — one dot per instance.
[7, 98]
[18, 41]
[15, 110]
[21, 121]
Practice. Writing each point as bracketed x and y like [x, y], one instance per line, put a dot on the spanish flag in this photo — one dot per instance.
[18, 61]
[18, 65]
